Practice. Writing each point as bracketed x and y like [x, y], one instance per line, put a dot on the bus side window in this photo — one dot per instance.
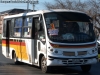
[4, 28]
[12, 28]
[27, 28]
[18, 27]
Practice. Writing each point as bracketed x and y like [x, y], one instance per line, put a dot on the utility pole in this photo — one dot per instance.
[79, 1]
[33, 7]
[33, 2]
[27, 5]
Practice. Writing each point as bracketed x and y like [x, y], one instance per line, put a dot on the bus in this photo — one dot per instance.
[50, 38]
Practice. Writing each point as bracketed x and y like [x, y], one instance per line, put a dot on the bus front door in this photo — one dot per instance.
[35, 32]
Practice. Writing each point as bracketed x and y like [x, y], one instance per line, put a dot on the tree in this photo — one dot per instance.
[93, 11]
[65, 4]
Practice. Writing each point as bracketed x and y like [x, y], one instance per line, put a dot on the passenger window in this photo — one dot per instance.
[27, 28]
[18, 27]
[12, 28]
[4, 28]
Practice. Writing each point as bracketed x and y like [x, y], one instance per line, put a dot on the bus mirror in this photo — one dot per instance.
[41, 37]
[38, 26]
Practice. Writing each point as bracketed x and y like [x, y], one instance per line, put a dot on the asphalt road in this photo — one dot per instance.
[7, 67]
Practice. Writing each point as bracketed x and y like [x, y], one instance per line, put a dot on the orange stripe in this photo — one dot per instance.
[14, 42]
[73, 46]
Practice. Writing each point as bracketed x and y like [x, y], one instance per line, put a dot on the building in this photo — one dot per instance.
[9, 12]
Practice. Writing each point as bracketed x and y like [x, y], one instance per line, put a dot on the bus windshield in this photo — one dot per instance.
[69, 27]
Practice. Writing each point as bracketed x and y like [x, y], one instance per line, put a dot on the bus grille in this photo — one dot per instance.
[68, 53]
[82, 52]
[65, 53]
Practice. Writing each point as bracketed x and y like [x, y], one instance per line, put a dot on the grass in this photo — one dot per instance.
[99, 55]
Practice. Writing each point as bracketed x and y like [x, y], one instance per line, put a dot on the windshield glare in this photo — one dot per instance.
[62, 28]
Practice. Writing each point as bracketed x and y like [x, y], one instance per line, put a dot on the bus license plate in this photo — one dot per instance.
[76, 60]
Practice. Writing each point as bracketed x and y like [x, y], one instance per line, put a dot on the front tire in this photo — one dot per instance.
[44, 67]
[85, 68]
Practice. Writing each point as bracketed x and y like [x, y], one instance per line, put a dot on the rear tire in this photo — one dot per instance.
[15, 59]
[85, 68]
[44, 67]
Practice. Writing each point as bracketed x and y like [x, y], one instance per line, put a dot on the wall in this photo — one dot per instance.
[1, 21]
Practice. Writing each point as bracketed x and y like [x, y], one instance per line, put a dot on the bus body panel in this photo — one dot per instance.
[71, 56]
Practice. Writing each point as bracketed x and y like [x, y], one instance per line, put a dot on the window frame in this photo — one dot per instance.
[15, 27]
[4, 28]
[24, 26]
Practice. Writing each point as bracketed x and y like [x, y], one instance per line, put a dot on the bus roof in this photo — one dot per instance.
[41, 12]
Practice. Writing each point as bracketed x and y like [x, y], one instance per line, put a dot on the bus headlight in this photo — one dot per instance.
[51, 50]
[95, 50]
[58, 52]
[55, 51]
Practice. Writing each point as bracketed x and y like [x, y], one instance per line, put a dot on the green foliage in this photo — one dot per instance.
[99, 55]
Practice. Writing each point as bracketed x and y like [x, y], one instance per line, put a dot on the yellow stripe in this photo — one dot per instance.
[21, 51]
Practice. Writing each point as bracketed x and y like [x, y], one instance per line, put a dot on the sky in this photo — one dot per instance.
[39, 6]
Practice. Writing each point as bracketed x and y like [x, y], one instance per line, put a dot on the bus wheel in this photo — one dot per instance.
[85, 68]
[15, 58]
[44, 66]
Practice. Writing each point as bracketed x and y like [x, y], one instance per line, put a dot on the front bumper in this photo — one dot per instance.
[58, 61]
